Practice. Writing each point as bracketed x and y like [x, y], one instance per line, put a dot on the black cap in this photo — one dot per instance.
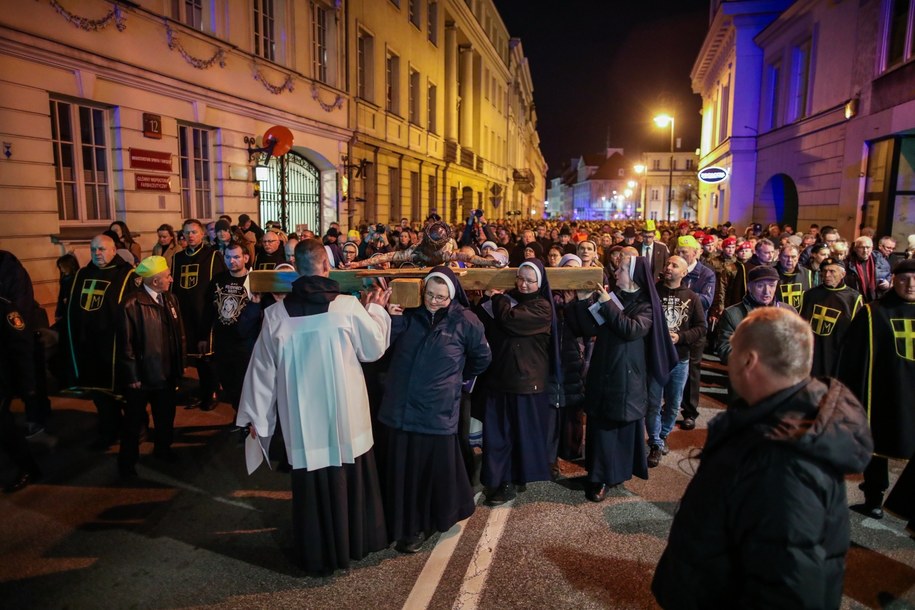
[565, 230]
[332, 232]
[831, 261]
[222, 225]
[762, 272]
[906, 266]
[629, 232]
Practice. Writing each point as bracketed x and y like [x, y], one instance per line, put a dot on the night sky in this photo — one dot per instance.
[609, 64]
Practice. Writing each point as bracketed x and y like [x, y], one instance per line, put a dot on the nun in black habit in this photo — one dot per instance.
[632, 346]
[519, 421]
[434, 348]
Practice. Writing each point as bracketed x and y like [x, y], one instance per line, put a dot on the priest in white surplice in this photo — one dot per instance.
[305, 369]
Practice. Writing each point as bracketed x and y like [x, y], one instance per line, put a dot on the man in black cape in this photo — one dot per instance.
[830, 308]
[877, 362]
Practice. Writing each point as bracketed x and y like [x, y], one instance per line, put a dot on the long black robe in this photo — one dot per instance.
[877, 362]
[95, 296]
[193, 270]
[792, 286]
[830, 312]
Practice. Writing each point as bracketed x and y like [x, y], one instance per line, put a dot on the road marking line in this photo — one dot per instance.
[428, 580]
[478, 571]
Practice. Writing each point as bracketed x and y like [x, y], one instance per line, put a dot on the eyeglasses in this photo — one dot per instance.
[435, 298]
[526, 281]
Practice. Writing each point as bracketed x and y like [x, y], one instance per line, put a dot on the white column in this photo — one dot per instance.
[451, 89]
[466, 93]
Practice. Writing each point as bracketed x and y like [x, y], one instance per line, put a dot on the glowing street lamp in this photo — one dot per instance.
[663, 120]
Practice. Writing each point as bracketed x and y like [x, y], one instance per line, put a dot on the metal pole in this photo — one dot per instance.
[670, 175]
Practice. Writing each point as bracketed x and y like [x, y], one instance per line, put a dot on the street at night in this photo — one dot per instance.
[201, 533]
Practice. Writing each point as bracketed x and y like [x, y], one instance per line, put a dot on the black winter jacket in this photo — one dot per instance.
[520, 338]
[764, 522]
[150, 341]
[616, 388]
[571, 391]
[428, 363]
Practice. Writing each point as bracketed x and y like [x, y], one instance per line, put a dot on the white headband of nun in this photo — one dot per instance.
[632, 268]
[566, 258]
[536, 271]
[445, 278]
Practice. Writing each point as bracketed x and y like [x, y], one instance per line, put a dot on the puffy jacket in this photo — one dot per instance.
[150, 341]
[520, 340]
[764, 522]
[616, 387]
[428, 363]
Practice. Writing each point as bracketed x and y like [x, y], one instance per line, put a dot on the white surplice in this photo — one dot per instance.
[308, 367]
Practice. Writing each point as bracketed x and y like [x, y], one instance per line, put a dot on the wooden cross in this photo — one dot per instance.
[407, 283]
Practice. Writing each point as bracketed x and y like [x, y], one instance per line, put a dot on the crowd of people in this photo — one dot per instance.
[376, 405]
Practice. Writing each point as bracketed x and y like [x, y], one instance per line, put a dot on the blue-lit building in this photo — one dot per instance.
[810, 107]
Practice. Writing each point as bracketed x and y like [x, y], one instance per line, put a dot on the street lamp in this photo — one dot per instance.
[663, 120]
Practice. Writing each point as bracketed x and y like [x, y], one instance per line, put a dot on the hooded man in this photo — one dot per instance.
[306, 370]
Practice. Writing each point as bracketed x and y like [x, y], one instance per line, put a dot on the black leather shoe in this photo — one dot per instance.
[410, 545]
[208, 405]
[23, 480]
[688, 423]
[500, 495]
[598, 493]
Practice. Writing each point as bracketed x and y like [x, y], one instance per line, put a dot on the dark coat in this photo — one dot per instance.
[150, 341]
[702, 281]
[520, 340]
[733, 316]
[428, 364]
[616, 388]
[571, 390]
[659, 256]
[764, 522]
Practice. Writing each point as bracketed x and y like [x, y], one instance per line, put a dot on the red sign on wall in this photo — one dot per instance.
[150, 159]
[147, 182]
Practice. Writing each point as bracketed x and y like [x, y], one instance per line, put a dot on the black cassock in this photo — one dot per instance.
[792, 286]
[830, 312]
[877, 362]
[192, 271]
[95, 296]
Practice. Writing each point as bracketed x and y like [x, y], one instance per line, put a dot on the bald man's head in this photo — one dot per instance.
[103, 250]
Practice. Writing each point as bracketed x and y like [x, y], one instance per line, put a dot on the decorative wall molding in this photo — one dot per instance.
[337, 103]
[93, 25]
[219, 57]
[286, 85]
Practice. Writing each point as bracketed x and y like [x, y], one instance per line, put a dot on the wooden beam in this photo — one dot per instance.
[566, 278]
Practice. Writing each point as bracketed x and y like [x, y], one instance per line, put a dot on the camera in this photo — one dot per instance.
[380, 228]
[478, 213]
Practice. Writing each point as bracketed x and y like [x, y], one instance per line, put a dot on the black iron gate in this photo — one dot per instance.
[292, 193]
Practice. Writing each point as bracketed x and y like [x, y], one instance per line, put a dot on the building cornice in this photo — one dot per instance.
[53, 54]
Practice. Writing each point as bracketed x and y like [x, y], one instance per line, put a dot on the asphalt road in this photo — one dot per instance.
[202, 533]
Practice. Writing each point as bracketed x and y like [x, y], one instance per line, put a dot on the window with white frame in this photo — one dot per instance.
[432, 108]
[188, 12]
[655, 195]
[265, 29]
[392, 83]
[195, 171]
[320, 42]
[800, 80]
[414, 96]
[415, 16]
[432, 22]
[365, 66]
[79, 136]
[900, 33]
